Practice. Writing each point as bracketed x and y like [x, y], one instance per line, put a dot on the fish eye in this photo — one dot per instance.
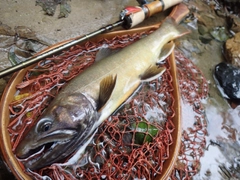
[46, 126]
[43, 125]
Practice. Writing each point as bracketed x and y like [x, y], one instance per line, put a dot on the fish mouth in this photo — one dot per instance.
[49, 147]
[37, 153]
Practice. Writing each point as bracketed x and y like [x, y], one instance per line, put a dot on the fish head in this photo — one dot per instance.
[64, 126]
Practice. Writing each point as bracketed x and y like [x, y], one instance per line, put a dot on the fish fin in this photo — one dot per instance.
[152, 73]
[106, 88]
[105, 52]
[166, 51]
[182, 30]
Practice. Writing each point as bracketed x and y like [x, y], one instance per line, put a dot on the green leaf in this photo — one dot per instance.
[144, 132]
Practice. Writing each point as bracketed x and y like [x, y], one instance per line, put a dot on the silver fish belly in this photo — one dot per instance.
[90, 98]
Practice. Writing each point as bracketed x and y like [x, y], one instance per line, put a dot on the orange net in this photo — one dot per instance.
[194, 88]
[134, 142]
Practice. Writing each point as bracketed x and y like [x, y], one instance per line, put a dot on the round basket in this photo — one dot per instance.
[10, 90]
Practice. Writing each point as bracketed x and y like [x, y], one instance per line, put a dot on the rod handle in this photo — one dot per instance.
[159, 6]
[134, 15]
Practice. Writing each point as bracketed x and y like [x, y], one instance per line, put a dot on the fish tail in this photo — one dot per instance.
[176, 29]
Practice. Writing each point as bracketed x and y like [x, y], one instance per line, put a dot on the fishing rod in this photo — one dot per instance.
[129, 17]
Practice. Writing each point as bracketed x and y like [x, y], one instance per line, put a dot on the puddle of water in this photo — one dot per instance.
[221, 157]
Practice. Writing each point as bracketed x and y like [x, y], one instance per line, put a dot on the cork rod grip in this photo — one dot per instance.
[158, 6]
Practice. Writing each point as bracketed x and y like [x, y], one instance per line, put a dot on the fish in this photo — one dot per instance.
[72, 118]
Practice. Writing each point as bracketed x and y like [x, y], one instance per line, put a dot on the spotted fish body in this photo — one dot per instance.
[90, 98]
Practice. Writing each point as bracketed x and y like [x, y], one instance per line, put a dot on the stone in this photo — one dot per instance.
[235, 24]
[232, 50]
[228, 78]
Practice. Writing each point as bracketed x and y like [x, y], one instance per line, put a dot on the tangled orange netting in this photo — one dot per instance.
[194, 88]
[134, 142]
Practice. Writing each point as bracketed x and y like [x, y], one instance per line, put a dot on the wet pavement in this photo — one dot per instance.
[221, 159]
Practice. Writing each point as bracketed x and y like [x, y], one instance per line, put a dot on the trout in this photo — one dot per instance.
[73, 116]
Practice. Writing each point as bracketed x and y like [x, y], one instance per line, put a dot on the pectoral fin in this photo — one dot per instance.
[106, 87]
[152, 73]
[166, 51]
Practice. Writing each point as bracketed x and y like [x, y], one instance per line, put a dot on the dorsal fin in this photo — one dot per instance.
[105, 52]
[106, 87]
[152, 73]
[166, 51]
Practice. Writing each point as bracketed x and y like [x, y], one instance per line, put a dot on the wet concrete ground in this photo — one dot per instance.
[87, 16]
